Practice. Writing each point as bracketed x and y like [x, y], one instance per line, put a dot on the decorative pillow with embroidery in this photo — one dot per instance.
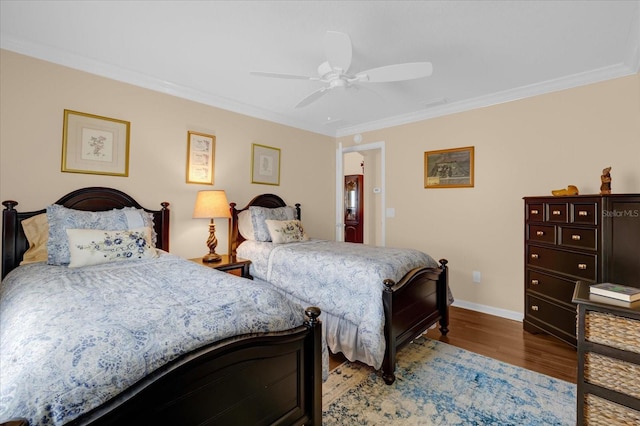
[36, 229]
[61, 218]
[260, 214]
[286, 231]
[94, 246]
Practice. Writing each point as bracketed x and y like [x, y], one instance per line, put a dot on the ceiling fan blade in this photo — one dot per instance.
[279, 75]
[337, 50]
[398, 72]
[314, 96]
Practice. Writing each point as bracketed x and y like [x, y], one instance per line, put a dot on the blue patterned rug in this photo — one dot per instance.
[439, 384]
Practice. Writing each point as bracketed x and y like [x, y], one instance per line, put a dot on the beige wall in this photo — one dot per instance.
[525, 147]
[34, 94]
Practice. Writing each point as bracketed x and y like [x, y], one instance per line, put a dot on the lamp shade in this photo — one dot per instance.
[211, 204]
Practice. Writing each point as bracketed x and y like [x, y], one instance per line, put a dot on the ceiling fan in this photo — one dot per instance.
[334, 72]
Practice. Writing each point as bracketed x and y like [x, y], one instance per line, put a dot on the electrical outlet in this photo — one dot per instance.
[476, 276]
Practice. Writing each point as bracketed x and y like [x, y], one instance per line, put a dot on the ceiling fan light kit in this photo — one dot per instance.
[333, 72]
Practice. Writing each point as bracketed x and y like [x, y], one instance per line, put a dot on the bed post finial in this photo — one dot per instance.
[9, 204]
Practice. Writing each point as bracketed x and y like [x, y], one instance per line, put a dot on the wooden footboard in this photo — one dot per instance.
[411, 306]
[273, 378]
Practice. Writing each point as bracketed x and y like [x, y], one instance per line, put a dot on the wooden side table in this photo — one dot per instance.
[608, 359]
[232, 264]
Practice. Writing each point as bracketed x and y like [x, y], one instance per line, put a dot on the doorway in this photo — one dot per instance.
[373, 156]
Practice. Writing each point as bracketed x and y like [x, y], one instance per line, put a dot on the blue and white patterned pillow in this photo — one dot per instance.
[94, 246]
[61, 218]
[260, 214]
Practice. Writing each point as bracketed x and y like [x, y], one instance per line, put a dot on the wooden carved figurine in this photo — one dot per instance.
[605, 187]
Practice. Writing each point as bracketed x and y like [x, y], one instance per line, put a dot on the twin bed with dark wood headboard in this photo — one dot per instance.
[257, 378]
[412, 302]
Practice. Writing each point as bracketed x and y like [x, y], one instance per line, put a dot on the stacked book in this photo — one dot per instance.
[616, 291]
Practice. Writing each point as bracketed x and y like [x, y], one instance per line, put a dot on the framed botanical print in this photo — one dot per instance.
[265, 165]
[200, 158]
[94, 144]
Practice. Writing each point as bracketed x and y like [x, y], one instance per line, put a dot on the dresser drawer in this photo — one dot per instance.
[612, 373]
[565, 262]
[557, 212]
[553, 287]
[535, 212]
[584, 213]
[578, 237]
[548, 314]
[542, 233]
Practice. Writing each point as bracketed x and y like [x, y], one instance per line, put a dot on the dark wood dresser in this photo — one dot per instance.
[594, 238]
[608, 359]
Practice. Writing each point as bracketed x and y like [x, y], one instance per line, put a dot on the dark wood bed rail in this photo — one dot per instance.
[15, 244]
[421, 291]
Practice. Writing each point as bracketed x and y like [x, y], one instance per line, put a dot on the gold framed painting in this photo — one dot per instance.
[449, 168]
[265, 164]
[201, 150]
[94, 144]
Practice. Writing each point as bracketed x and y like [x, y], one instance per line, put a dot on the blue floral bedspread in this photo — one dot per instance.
[344, 279]
[71, 339]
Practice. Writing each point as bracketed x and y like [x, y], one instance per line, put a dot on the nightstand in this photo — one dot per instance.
[232, 264]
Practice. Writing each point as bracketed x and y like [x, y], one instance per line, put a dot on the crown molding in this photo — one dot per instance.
[630, 66]
[576, 80]
[77, 62]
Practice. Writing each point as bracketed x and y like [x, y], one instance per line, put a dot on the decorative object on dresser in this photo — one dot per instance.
[354, 209]
[605, 186]
[608, 360]
[211, 205]
[569, 190]
[201, 149]
[594, 238]
[229, 263]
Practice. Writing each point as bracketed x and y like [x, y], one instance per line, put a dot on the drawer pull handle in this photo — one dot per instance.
[534, 256]
[535, 212]
[556, 212]
[582, 266]
[583, 213]
[534, 282]
[540, 233]
[575, 237]
[534, 308]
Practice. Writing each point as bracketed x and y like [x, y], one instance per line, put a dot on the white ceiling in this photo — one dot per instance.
[483, 52]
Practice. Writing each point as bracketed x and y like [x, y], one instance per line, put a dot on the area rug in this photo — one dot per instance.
[439, 384]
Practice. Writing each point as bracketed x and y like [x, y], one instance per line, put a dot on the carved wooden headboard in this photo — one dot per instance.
[14, 242]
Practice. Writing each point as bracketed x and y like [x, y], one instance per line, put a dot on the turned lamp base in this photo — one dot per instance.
[211, 258]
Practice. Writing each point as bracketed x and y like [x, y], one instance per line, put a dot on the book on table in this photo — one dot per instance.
[616, 291]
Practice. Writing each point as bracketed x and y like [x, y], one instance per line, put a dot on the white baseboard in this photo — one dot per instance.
[512, 315]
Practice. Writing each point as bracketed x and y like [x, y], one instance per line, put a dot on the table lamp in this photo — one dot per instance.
[211, 205]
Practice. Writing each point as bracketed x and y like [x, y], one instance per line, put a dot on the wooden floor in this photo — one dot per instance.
[505, 340]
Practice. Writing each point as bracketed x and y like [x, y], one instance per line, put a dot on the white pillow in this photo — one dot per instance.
[94, 246]
[245, 225]
[286, 231]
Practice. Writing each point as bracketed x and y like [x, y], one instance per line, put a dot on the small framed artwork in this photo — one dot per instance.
[449, 168]
[95, 145]
[201, 150]
[265, 165]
